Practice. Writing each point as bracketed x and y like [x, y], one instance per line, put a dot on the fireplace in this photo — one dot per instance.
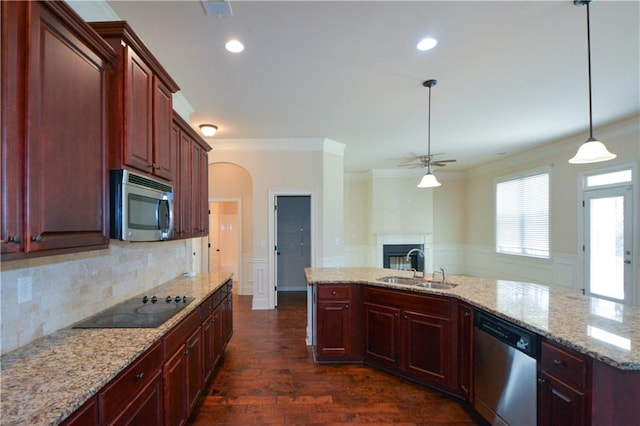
[394, 256]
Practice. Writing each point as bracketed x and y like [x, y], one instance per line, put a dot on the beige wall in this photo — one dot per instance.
[68, 288]
[332, 217]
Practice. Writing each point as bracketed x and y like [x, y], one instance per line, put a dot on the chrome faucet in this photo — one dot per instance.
[408, 258]
[435, 274]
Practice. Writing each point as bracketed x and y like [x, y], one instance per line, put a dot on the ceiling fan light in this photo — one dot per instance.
[428, 181]
[592, 151]
[208, 130]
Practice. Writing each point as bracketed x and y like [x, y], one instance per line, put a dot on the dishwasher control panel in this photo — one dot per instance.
[525, 341]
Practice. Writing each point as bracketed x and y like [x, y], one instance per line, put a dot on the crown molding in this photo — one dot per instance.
[281, 145]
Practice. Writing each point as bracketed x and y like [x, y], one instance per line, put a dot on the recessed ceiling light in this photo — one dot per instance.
[234, 46]
[427, 44]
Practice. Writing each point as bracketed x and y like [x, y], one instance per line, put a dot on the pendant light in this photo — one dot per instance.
[591, 151]
[429, 180]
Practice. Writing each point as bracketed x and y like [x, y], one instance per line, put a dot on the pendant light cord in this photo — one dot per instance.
[429, 135]
[589, 72]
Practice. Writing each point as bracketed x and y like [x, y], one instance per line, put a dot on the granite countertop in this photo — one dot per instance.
[604, 330]
[47, 380]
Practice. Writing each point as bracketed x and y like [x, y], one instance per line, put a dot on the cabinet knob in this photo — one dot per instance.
[37, 239]
[140, 376]
[346, 307]
[541, 381]
[15, 239]
[467, 314]
[558, 362]
[333, 292]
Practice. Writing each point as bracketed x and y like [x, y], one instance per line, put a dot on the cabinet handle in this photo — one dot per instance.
[346, 307]
[541, 381]
[14, 239]
[333, 292]
[140, 376]
[395, 315]
[467, 314]
[558, 362]
[37, 239]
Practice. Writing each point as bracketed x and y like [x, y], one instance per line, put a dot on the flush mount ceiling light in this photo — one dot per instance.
[591, 151]
[429, 180]
[234, 46]
[427, 44]
[208, 130]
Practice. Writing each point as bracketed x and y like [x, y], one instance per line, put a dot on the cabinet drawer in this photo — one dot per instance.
[334, 292]
[124, 388]
[179, 334]
[565, 363]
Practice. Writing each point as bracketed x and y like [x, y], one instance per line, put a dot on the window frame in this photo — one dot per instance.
[516, 176]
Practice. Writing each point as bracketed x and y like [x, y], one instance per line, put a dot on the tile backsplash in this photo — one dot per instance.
[55, 292]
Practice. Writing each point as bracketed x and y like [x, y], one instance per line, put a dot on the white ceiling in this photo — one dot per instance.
[511, 74]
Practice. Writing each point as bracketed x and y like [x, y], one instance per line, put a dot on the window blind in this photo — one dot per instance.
[522, 216]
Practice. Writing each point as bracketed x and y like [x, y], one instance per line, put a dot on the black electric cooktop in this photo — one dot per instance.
[138, 312]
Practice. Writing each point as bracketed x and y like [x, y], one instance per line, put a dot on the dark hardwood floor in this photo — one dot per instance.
[268, 377]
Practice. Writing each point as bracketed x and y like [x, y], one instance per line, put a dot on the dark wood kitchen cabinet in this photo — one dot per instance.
[87, 415]
[465, 350]
[135, 395]
[54, 121]
[140, 105]
[191, 213]
[337, 317]
[183, 370]
[564, 385]
[411, 335]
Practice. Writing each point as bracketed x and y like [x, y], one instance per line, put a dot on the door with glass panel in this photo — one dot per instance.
[608, 243]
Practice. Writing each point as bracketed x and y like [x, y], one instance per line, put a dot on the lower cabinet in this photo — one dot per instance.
[564, 385]
[134, 397]
[337, 325]
[465, 351]
[412, 335]
[84, 416]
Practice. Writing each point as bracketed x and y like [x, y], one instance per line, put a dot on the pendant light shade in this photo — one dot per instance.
[429, 180]
[591, 151]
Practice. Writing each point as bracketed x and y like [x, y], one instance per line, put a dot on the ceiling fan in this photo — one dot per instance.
[425, 161]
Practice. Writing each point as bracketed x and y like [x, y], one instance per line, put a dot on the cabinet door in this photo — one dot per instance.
[164, 152]
[558, 403]
[185, 208]
[195, 374]
[175, 389]
[333, 339]
[66, 145]
[209, 360]
[465, 346]
[138, 137]
[13, 80]
[425, 347]
[381, 330]
[203, 197]
[219, 333]
[87, 415]
[196, 195]
[146, 408]
[228, 319]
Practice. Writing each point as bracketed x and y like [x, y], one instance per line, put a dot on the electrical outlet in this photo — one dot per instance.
[24, 290]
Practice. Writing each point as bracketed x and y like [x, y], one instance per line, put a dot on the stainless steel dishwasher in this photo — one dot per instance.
[505, 358]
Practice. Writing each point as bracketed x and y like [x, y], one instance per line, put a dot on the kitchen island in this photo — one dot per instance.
[589, 365]
[49, 379]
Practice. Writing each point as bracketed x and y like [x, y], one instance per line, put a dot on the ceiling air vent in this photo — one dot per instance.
[217, 7]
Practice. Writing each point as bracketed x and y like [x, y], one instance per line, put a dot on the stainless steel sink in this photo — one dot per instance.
[417, 282]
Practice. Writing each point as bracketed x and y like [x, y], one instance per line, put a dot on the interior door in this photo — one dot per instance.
[293, 242]
[608, 243]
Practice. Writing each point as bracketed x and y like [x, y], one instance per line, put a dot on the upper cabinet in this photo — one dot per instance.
[140, 105]
[54, 127]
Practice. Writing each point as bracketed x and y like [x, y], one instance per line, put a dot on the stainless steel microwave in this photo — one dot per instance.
[141, 207]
